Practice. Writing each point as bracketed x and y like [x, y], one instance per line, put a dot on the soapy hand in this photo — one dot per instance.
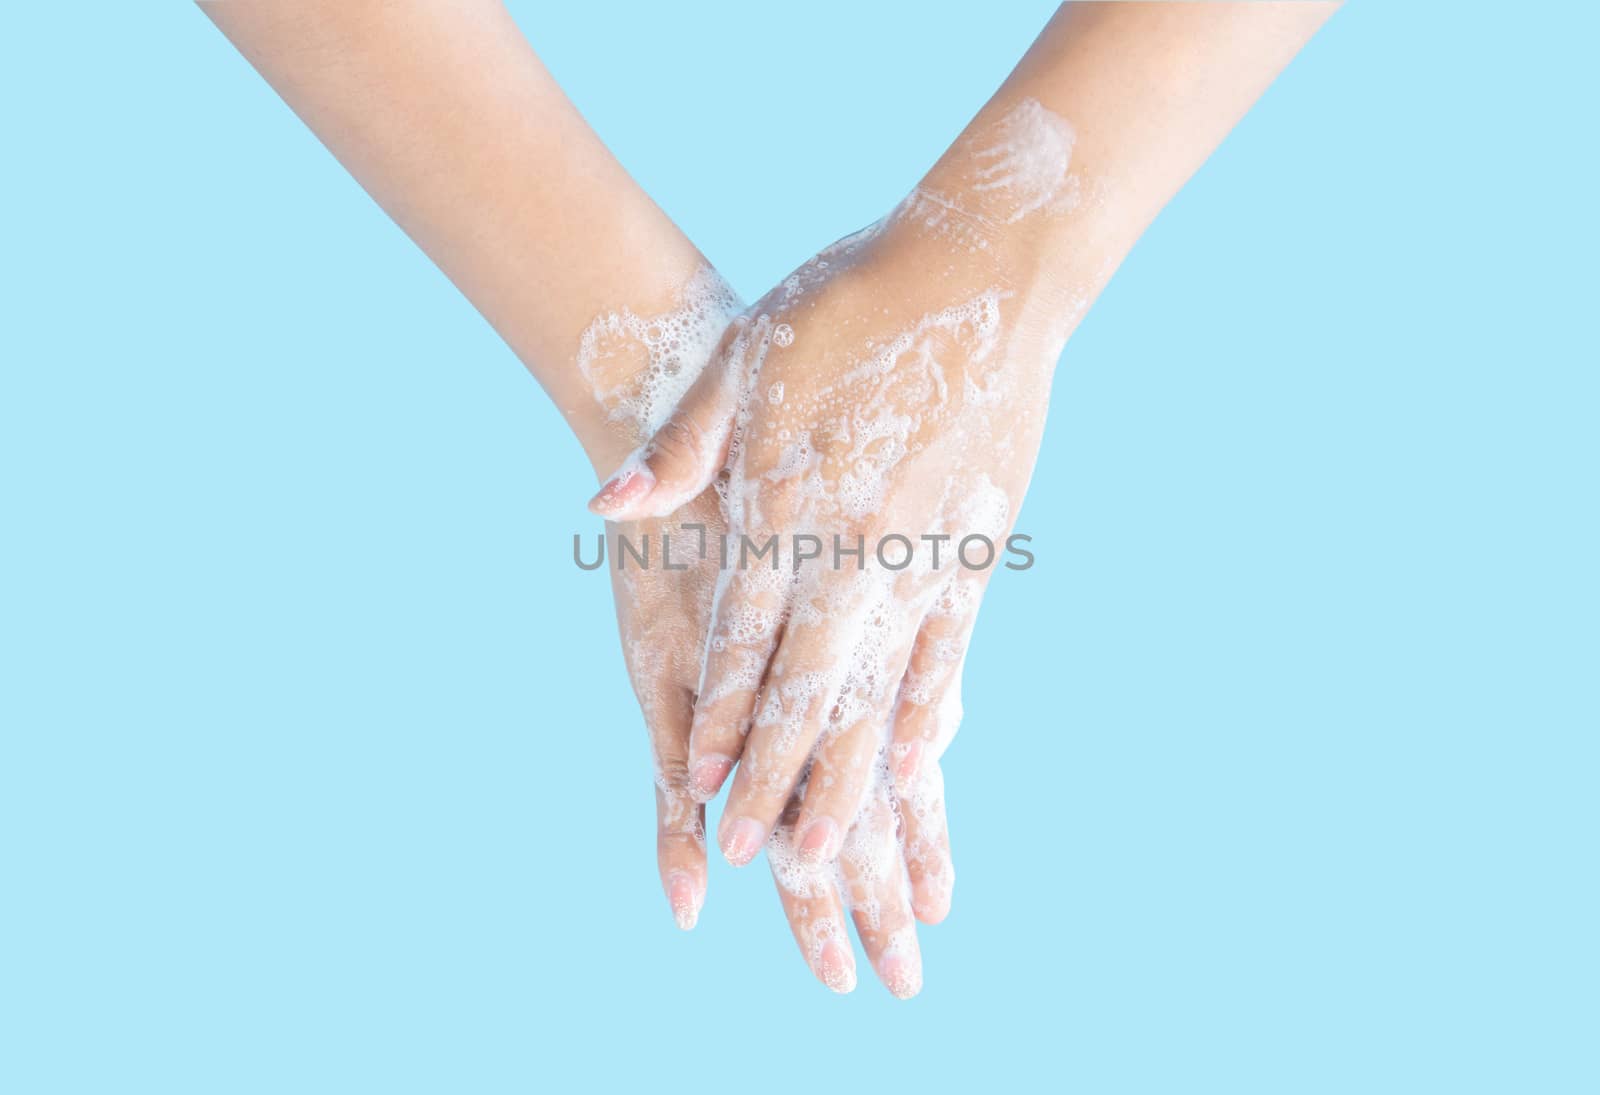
[871, 425]
[663, 616]
[637, 366]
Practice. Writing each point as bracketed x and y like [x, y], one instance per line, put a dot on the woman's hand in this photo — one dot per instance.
[663, 616]
[878, 415]
[663, 582]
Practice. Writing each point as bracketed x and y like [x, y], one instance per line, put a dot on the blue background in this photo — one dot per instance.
[319, 769]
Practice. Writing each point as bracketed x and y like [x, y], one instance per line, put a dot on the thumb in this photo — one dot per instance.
[684, 455]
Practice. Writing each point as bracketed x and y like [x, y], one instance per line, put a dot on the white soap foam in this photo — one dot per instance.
[1026, 159]
[675, 344]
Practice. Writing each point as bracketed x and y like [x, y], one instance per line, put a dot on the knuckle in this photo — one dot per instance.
[679, 443]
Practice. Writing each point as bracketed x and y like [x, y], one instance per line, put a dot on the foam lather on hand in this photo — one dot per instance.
[675, 344]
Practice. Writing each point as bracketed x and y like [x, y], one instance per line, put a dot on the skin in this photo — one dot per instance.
[897, 383]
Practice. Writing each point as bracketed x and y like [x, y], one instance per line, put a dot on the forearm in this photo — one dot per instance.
[443, 113]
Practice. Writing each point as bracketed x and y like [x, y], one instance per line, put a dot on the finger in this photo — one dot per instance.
[684, 455]
[928, 710]
[925, 845]
[681, 855]
[798, 700]
[746, 621]
[810, 896]
[840, 773]
[878, 893]
[846, 761]
[680, 820]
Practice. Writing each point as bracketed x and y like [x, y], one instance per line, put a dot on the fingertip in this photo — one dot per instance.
[901, 973]
[708, 775]
[836, 967]
[740, 839]
[622, 496]
[686, 899]
[931, 909]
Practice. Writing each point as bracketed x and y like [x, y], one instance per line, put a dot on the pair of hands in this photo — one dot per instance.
[893, 387]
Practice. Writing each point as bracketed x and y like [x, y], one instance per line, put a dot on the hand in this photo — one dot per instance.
[635, 364]
[886, 400]
[662, 616]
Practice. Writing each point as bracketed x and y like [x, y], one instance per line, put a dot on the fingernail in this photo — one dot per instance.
[743, 840]
[901, 974]
[630, 483]
[709, 773]
[906, 770]
[683, 898]
[816, 846]
[837, 967]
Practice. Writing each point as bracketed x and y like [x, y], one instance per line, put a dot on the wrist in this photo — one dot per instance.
[633, 365]
[1042, 272]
